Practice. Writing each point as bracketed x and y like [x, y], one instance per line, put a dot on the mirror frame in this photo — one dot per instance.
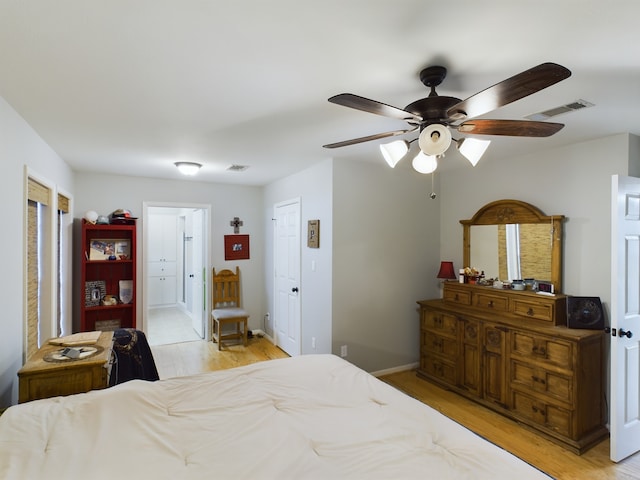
[515, 211]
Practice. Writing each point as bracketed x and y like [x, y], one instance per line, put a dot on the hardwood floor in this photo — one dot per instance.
[196, 357]
[189, 358]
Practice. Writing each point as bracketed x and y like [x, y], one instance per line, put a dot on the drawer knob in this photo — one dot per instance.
[490, 304]
[539, 350]
[530, 312]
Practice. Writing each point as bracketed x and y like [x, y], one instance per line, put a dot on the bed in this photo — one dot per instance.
[311, 416]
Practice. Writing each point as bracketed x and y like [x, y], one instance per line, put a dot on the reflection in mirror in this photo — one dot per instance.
[512, 251]
[523, 242]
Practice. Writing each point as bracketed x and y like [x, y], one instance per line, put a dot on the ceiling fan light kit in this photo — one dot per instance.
[472, 149]
[434, 139]
[393, 152]
[188, 168]
[436, 116]
[424, 163]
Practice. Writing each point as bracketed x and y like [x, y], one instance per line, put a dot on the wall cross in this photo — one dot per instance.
[236, 223]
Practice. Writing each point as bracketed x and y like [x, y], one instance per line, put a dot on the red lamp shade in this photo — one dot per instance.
[446, 271]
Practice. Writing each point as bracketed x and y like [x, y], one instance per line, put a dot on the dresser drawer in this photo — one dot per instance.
[439, 345]
[494, 303]
[527, 377]
[459, 297]
[439, 369]
[441, 323]
[551, 417]
[542, 350]
[536, 310]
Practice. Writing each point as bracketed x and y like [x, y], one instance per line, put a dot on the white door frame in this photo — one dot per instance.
[142, 263]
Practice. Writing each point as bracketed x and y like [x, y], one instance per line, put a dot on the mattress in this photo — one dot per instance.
[305, 417]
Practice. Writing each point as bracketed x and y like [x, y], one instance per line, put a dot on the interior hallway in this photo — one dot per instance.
[169, 325]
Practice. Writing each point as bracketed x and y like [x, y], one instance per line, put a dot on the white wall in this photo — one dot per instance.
[574, 181]
[386, 255]
[19, 146]
[313, 186]
[106, 193]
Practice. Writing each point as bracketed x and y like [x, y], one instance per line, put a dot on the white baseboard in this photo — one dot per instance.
[257, 332]
[400, 368]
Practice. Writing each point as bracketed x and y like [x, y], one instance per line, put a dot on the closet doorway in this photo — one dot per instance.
[175, 258]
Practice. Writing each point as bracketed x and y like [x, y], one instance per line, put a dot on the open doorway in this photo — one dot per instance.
[175, 258]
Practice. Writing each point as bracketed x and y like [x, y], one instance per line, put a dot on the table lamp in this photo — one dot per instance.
[446, 271]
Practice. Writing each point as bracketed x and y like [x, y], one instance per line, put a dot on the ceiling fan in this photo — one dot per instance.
[435, 116]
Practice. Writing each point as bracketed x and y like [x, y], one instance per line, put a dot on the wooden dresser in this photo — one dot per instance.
[512, 352]
[39, 378]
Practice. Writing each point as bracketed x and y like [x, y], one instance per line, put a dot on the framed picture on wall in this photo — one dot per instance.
[236, 247]
[313, 234]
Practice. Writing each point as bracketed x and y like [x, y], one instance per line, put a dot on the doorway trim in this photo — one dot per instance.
[146, 205]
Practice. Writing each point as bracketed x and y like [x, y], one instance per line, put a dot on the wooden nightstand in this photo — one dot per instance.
[39, 378]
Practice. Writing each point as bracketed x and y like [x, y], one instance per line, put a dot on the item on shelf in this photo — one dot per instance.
[91, 216]
[108, 325]
[109, 300]
[93, 292]
[122, 216]
[126, 290]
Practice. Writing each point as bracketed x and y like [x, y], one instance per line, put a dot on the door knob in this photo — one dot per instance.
[294, 289]
[625, 333]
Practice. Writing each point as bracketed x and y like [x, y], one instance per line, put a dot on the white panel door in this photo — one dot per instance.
[625, 317]
[287, 277]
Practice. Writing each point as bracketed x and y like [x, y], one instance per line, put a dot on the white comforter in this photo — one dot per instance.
[314, 416]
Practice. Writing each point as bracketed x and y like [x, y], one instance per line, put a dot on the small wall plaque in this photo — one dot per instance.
[313, 234]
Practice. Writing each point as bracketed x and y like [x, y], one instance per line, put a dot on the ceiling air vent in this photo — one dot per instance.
[552, 112]
[237, 168]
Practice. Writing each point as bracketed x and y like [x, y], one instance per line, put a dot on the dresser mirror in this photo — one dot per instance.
[511, 239]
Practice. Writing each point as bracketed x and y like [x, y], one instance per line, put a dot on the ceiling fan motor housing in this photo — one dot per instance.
[432, 109]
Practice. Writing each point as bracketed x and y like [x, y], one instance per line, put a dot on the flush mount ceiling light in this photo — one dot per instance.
[394, 152]
[188, 168]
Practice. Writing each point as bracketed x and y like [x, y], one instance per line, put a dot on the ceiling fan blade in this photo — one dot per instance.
[513, 128]
[368, 138]
[372, 106]
[509, 90]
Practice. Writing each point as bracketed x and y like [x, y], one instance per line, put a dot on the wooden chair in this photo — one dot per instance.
[226, 307]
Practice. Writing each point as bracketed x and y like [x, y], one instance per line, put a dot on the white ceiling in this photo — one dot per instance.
[131, 86]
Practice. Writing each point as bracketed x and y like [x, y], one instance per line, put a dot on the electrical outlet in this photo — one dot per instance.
[343, 351]
[313, 342]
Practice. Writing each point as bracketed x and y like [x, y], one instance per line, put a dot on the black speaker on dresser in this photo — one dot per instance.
[585, 312]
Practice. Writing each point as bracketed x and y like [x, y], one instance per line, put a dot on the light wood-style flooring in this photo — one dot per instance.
[197, 357]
